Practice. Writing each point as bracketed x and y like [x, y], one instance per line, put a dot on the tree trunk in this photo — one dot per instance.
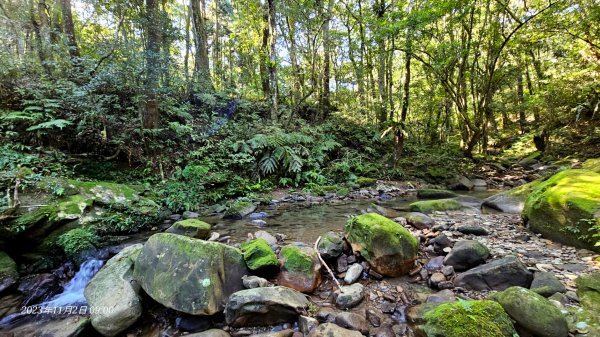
[201, 65]
[264, 56]
[150, 118]
[273, 62]
[69, 28]
[325, 99]
[521, 102]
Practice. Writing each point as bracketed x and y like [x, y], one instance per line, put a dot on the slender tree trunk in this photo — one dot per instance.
[521, 102]
[265, 56]
[69, 28]
[186, 57]
[217, 64]
[325, 99]
[150, 118]
[273, 61]
[201, 65]
[298, 78]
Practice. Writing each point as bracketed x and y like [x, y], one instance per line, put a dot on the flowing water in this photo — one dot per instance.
[73, 292]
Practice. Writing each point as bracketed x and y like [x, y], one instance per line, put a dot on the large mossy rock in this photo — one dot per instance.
[428, 206]
[389, 248]
[468, 319]
[265, 306]
[588, 291]
[513, 200]
[189, 275]
[533, 313]
[114, 289]
[330, 246]
[260, 257]
[565, 207]
[193, 228]
[496, 275]
[300, 268]
[592, 165]
[8, 271]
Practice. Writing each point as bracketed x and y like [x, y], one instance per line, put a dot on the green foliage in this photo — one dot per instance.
[77, 241]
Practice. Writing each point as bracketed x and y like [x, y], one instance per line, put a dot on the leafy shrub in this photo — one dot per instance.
[77, 241]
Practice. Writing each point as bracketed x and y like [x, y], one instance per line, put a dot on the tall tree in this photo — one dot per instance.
[150, 117]
[202, 77]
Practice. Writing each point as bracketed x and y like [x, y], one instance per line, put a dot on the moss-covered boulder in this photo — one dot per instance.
[588, 291]
[193, 228]
[189, 275]
[8, 271]
[513, 200]
[260, 257]
[300, 268]
[389, 248]
[428, 206]
[565, 208]
[113, 288]
[468, 319]
[533, 313]
[592, 165]
[239, 209]
[365, 181]
[432, 193]
[330, 246]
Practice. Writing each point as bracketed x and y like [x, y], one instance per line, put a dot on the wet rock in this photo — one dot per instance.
[441, 296]
[588, 291]
[557, 206]
[437, 278]
[192, 323]
[37, 288]
[113, 287]
[8, 271]
[264, 306]
[373, 318]
[353, 274]
[330, 246]
[463, 183]
[496, 275]
[260, 257]
[435, 263]
[168, 261]
[511, 201]
[190, 215]
[193, 228]
[419, 220]
[560, 298]
[326, 315]
[428, 206]
[258, 223]
[271, 240]
[330, 329]
[239, 209]
[440, 243]
[479, 184]
[306, 324]
[251, 282]
[447, 271]
[533, 313]
[352, 321]
[350, 296]
[257, 215]
[341, 264]
[472, 229]
[547, 284]
[300, 268]
[281, 333]
[435, 194]
[389, 248]
[69, 326]
[467, 319]
[210, 333]
[467, 254]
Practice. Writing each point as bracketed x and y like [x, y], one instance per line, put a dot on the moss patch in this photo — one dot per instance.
[563, 208]
[8, 267]
[364, 181]
[588, 290]
[295, 260]
[428, 206]
[592, 165]
[468, 319]
[259, 256]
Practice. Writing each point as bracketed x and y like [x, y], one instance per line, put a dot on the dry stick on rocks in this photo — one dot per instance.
[326, 266]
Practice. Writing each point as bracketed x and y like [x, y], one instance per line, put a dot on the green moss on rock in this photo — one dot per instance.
[565, 207]
[8, 271]
[295, 260]
[468, 319]
[588, 291]
[259, 256]
[389, 248]
[191, 227]
[428, 206]
[364, 181]
[592, 165]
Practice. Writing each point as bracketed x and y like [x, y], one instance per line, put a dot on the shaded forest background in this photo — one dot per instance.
[213, 99]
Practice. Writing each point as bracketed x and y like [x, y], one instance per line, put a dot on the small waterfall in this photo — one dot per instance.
[73, 292]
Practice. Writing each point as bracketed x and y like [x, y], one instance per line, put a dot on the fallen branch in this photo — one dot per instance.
[326, 266]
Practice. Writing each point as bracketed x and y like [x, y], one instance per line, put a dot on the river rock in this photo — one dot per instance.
[61, 326]
[280, 333]
[114, 291]
[353, 274]
[239, 209]
[271, 240]
[38, 288]
[210, 333]
[467, 319]
[472, 230]
[252, 281]
[333, 330]
[564, 207]
[306, 324]
[533, 313]
[496, 275]
[300, 268]
[419, 220]
[193, 228]
[467, 254]
[428, 206]
[330, 246]
[352, 321]
[8, 271]
[511, 201]
[260, 257]
[389, 248]
[257, 215]
[430, 193]
[588, 291]
[350, 296]
[547, 284]
[264, 306]
[168, 262]
[463, 183]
